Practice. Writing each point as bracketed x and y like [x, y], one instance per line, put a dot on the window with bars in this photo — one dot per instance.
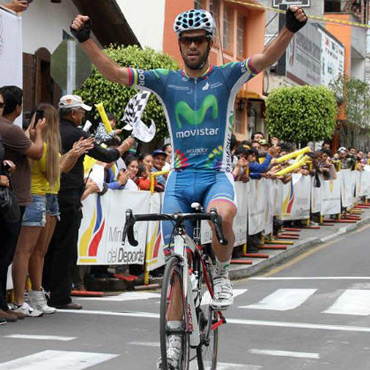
[199, 4]
[240, 36]
[238, 124]
[228, 28]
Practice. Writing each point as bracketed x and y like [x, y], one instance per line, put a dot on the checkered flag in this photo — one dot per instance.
[134, 109]
[132, 117]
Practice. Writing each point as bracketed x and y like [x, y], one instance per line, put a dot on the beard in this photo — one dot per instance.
[195, 61]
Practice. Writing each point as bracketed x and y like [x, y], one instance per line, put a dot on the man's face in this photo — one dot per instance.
[168, 151]
[77, 116]
[360, 154]
[326, 146]
[159, 161]
[342, 154]
[258, 137]
[194, 47]
[353, 151]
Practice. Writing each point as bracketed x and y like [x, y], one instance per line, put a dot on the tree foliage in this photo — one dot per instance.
[355, 100]
[114, 96]
[301, 114]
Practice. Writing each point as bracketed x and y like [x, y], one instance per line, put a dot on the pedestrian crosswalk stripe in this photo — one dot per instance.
[351, 302]
[310, 278]
[282, 300]
[206, 299]
[40, 337]
[145, 344]
[228, 366]
[270, 352]
[57, 360]
[126, 296]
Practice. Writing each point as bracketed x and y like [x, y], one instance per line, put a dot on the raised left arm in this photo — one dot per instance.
[295, 20]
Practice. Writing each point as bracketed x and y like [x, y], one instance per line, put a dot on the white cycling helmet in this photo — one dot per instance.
[195, 19]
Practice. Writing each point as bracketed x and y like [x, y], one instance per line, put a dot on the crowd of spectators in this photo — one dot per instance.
[45, 166]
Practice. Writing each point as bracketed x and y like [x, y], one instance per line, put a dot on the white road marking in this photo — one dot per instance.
[227, 366]
[284, 353]
[352, 302]
[127, 296]
[145, 344]
[282, 324]
[282, 300]
[40, 337]
[313, 278]
[57, 360]
[206, 299]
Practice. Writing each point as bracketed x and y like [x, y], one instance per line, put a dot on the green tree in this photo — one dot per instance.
[114, 96]
[354, 97]
[301, 114]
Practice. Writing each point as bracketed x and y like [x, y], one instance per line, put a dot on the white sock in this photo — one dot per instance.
[175, 339]
[222, 268]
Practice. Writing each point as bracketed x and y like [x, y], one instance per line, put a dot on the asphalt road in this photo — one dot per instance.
[312, 313]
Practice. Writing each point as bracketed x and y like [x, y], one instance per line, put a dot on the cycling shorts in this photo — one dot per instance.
[186, 187]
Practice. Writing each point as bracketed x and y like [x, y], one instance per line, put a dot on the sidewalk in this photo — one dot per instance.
[307, 239]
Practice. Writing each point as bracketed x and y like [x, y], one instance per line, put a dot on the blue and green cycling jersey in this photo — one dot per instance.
[199, 112]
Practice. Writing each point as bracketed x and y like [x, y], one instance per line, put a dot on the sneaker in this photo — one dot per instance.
[27, 310]
[37, 300]
[223, 293]
[173, 353]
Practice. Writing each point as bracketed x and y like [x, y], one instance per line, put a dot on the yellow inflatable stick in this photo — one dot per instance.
[293, 155]
[292, 167]
[104, 117]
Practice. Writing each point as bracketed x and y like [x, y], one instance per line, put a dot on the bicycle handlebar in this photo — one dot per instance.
[178, 218]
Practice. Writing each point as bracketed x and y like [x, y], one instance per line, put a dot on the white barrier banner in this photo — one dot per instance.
[356, 178]
[279, 190]
[272, 192]
[297, 199]
[365, 182]
[347, 188]
[154, 246]
[257, 204]
[331, 196]
[100, 234]
[240, 225]
[316, 195]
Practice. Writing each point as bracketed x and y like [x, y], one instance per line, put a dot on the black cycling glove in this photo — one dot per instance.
[292, 23]
[84, 33]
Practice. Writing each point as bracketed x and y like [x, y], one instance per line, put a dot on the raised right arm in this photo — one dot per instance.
[106, 66]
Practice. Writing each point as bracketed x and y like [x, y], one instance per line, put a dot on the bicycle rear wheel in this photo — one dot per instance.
[173, 301]
[207, 350]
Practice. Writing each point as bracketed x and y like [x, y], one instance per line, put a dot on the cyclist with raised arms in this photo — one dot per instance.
[199, 103]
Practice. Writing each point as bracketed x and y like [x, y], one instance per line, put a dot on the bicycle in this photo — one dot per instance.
[193, 287]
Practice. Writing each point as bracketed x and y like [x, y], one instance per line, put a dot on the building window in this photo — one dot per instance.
[240, 37]
[238, 122]
[200, 4]
[214, 8]
[228, 28]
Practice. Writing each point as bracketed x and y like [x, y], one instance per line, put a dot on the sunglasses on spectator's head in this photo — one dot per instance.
[198, 40]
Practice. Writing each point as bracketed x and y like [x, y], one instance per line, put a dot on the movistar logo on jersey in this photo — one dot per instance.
[196, 117]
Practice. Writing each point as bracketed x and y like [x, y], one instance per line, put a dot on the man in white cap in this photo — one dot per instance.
[61, 258]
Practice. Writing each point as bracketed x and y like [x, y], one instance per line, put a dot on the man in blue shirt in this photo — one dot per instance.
[199, 105]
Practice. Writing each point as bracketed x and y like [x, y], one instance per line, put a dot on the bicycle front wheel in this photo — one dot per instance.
[207, 350]
[173, 310]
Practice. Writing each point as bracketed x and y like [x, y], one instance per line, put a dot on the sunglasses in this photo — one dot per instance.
[2, 105]
[197, 40]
